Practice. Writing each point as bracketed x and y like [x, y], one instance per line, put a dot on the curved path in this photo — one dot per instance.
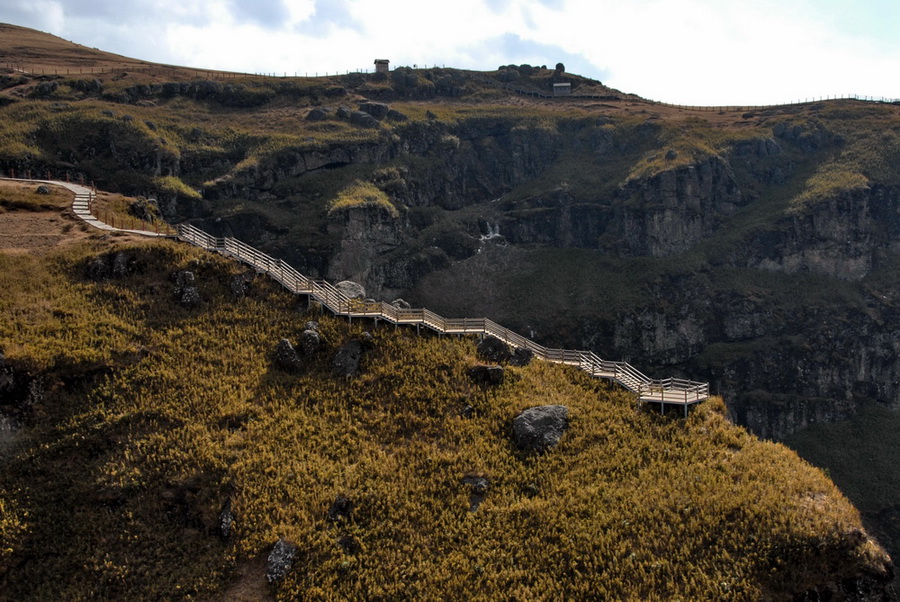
[665, 392]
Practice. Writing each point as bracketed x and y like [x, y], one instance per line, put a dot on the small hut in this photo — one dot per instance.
[382, 65]
[562, 89]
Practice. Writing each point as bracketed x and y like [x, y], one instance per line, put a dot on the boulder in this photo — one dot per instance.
[317, 114]
[280, 561]
[487, 375]
[123, 264]
[286, 357]
[240, 284]
[493, 349]
[378, 110]
[401, 304]
[671, 154]
[311, 325]
[98, 270]
[43, 189]
[363, 119]
[521, 357]
[189, 297]
[351, 289]
[539, 428]
[343, 113]
[309, 342]
[346, 360]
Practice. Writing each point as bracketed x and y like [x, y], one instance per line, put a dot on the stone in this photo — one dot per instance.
[493, 349]
[317, 114]
[346, 360]
[280, 561]
[189, 297]
[363, 119]
[340, 510]
[540, 428]
[401, 304]
[286, 357]
[309, 342]
[343, 113]
[43, 189]
[240, 285]
[521, 357]
[671, 154]
[122, 265]
[311, 325]
[487, 375]
[352, 290]
[226, 520]
[98, 270]
[479, 486]
[377, 110]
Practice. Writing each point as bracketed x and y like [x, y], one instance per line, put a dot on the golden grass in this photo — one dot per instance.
[362, 194]
[156, 414]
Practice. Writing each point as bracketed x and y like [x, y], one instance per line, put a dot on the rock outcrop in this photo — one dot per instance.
[540, 428]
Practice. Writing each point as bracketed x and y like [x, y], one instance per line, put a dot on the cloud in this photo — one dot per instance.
[266, 13]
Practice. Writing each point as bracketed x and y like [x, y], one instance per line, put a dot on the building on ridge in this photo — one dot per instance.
[382, 65]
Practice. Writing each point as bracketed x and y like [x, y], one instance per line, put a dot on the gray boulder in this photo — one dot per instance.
[343, 113]
[280, 561]
[539, 428]
[378, 110]
[286, 357]
[98, 270]
[487, 375]
[43, 189]
[122, 265]
[240, 284]
[401, 304]
[493, 349]
[311, 325]
[189, 296]
[317, 114]
[352, 289]
[309, 342]
[521, 357]
[363, 119]
[346, 360]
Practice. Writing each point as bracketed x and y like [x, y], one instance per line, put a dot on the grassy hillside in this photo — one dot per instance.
[154, 415]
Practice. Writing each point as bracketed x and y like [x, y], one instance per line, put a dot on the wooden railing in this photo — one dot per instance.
[666, 391]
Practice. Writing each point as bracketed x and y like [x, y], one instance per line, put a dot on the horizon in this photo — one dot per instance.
[770, 54]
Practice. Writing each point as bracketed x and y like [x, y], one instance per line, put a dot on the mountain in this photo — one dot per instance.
[752, 247]
[166, 445]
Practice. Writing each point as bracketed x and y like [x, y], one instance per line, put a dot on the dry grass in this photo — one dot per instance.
[156, 414]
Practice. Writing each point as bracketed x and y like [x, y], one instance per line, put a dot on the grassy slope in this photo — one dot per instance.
[155, 415]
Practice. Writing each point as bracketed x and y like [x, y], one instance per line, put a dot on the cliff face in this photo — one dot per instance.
[730, 265]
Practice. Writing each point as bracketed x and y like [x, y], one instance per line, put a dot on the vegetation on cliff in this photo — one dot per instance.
[153, 417]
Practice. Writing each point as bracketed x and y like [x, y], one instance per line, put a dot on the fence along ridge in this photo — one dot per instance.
[664, 391]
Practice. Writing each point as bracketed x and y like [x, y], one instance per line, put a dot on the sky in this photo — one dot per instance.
[694, 52]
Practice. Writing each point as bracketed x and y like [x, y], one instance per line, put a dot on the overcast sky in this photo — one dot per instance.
[709, 52]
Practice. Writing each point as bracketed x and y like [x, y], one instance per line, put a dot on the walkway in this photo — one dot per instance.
[671, 391]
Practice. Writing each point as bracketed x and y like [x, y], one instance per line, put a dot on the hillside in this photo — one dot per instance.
[751, 247]
[142, 419]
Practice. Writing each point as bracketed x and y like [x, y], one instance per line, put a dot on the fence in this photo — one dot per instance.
[666, 391]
